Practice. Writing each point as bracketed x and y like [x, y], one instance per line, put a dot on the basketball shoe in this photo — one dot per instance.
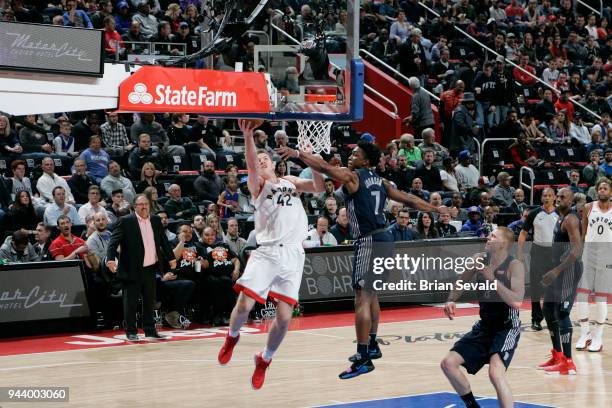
[596, 340]
[259, 375]
[225, 354]
[360, 366]
[373, 353]
[565, 367]
[556, 357]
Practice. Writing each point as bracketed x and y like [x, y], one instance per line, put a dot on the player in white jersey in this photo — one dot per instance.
[597, 260]
[275, 268]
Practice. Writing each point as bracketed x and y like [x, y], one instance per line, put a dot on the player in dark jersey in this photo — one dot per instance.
[494, 338]
[366, 193]
[561, 283]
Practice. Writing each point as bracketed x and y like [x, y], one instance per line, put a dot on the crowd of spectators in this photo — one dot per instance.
[112, 157]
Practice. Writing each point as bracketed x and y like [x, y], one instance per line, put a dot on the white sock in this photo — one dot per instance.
[601, 311]
[583, 310]
[268, 354]
[233, 333]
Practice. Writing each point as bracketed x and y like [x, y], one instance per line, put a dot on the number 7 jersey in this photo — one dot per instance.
[279, 215]
[366, 206]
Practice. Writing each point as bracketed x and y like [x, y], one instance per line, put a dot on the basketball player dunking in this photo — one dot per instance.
[365, 195]
[597, 259]
[275, 268]
[560, 284]
[495, 337]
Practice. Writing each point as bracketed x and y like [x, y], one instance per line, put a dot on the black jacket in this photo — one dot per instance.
[126, 234]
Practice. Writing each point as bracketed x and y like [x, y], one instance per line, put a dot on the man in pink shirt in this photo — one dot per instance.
[141, 246]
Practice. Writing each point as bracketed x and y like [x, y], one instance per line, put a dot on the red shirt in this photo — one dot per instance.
[61, 246]
[522, 77]
[568, 106]
[109, 41]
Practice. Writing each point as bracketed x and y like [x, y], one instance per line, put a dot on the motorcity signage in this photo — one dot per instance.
[42, 291]
[51, 49]
[181, 90]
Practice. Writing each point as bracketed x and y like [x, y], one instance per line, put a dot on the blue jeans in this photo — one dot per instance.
[482, 113]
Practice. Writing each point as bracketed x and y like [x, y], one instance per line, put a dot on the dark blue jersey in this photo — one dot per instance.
[365, 207]
[495, 314]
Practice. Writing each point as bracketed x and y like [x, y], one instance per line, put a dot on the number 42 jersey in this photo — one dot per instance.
[279, 215]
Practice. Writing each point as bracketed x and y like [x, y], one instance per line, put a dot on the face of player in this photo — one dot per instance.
[564, 200]
[495, 241]
[603, 192]
[265, 165]
[357, 159]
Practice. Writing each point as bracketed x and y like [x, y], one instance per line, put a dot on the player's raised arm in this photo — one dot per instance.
[343, 174]
[250, 155]
[413, 201]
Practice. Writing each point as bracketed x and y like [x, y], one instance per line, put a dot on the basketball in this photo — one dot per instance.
[254, 122]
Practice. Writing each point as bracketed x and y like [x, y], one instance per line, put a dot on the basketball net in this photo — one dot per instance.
[313, 136]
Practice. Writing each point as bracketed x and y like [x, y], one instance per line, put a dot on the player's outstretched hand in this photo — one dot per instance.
[449, 309]
[286, 152]
[247, 127]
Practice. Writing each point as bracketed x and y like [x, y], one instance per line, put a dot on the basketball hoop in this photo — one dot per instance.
[313, 136]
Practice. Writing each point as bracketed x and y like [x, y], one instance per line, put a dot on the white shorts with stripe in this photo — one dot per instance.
[273, 271]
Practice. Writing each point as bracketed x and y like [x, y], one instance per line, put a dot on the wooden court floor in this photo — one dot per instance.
[303, 372]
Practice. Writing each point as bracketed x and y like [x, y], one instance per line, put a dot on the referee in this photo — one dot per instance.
[541, 221]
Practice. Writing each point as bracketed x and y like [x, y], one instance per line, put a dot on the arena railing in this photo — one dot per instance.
[529, 171]
[484, 142]
[435, 13]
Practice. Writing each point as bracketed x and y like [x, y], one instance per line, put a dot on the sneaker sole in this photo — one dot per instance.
[596, 351]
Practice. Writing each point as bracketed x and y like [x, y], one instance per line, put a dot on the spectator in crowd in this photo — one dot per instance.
[523, 153]
[9, 142]
[429, 142]
[42, 242]
[517, 226]
[534, 133]
[518, 203]
[197, 225]
[212, 221]
[511, 127]
[607, 164]
[148, 178]
[158, 136]
[408, 149]
[98, 241]
[163, 215]
[330, 191]
[144, 153]
[464, 125]
[222, 272]
[153, 197]
[449, 101]
[565, 104]
[425, 228]
[115, 181]
[545, 106]
[68, 246]
[118, 206]
[474, 222]
[122, 17]
[448, 175]
[404, 174]
[320, 236]
[96, 159]
[22, 214]
[485, 86]
[64, 142]
[114, 136]
[417, 189]
[94, 205]
[457, 205]
[80, 182]
[341, 230]
[135, 35]
[59, 207]
[401, 228]
[595, 143]
[503, 193]
[74, 17]
[429, 175]
[208, 185]
[179, 207]
[593, 171]
[147, 21]
[444, 227]
[113, 43]
[579, 133]
[17, 248]
[574, 178]
[525, 74]
[244, 198]
[228, 198]
[84, 129]
[34, 144]
[467, 174]
[232, 238]
[207, 136]
[421, 115]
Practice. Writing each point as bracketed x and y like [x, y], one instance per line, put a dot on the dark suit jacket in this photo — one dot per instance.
[406, 56]
[126, 234]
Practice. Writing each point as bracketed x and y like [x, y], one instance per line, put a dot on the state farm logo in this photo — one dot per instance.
[165, 95]
[140, 95]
